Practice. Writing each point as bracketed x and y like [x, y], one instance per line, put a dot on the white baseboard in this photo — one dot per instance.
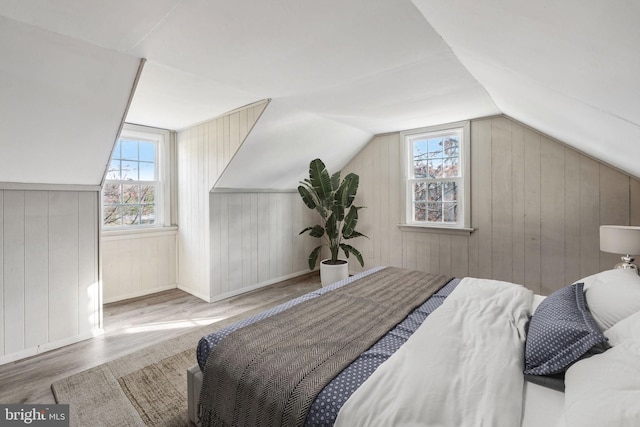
[12, 357]
[139, 293]
[214, 298]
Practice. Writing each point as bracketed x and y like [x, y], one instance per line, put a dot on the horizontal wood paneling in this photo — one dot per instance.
[138, 264]
[536, 209]
[49, 288]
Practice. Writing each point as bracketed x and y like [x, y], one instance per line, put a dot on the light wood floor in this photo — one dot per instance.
[129, 326]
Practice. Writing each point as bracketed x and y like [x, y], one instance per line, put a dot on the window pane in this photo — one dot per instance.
[147, 151]
[435, 148]
[419, 159]
[435, 168]
[451, 144]
[147, 194]
[434, 192]
[450, 191]
[131, 214]
[114, 169]
[116, 150]
[111, 194]
[450, 212]
[434, 212]
[147, 171]
[420, 191]
[129, 170]
[420, 211]
[129, 149]
[148, 214]
[130, 194]
[112, 216]
[451, 167]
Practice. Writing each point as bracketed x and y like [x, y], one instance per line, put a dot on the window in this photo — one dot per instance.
[436, 167]
[132, 194]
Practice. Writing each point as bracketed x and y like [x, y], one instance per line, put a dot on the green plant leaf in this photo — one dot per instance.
[307, 197]
[313, 257]
[350, 222]
[305, 230]
[335, 181]
[317, 231]
[320, 180]
[350, 249]
[331, 226]
[348, 188]
[354, 234]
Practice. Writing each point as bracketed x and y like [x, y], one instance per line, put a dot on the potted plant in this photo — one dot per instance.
[333, 200]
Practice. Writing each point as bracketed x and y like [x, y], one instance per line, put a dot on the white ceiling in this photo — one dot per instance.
[338, 72]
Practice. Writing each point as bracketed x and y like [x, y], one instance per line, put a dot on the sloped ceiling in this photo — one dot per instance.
[336, 72]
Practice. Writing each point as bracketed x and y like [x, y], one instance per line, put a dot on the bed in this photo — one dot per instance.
[456, 356]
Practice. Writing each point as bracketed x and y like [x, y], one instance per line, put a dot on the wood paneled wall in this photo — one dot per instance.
[203, 152]
[49, 289]
[136, 264]
[255, 241]
[536, 209]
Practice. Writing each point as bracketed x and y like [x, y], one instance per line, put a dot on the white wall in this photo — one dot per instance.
[49, 286]
[203, 152]
[255, 241]
[536, 209]
[138, 263]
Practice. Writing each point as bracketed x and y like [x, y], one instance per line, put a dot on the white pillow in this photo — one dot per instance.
[612, 295]
[604, 390]
[626, 329]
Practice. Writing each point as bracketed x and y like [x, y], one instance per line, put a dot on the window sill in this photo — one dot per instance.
[436, 229]
[138, 232]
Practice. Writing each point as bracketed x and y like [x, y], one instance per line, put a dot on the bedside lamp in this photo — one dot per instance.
[621, 239]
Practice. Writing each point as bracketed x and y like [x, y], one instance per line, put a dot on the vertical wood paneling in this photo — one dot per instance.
[88, 287]
[634, 202]
[203, 153]
[552, 215]
[532, 206]
[536, 209]
[47, 242]
[36, 266]
[572, 216]
[481, 175]
[63, 262]
[518, 201]
[395, 200]
[14, 255]
[2, 299]
[614, 206]
[501, 200]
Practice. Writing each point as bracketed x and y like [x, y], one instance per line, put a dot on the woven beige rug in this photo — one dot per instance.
[147, 387]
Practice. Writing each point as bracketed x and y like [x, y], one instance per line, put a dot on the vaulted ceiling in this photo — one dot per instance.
[337, 72]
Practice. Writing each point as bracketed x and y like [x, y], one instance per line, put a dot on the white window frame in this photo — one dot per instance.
[463, 182]
[161, 138]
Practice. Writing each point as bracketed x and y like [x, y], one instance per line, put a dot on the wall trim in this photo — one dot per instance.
[140, 294]
[23, 186]
[22, 354]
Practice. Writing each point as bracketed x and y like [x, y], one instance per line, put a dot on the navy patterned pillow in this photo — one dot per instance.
[561, 331]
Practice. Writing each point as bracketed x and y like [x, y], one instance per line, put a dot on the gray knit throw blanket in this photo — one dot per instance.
[270, 372]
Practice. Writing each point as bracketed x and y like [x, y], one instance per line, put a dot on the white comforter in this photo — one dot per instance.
[462, 367]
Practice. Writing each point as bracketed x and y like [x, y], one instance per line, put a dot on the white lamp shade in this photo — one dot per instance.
[620, 239]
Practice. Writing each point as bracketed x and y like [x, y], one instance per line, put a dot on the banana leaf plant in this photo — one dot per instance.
[333, 200]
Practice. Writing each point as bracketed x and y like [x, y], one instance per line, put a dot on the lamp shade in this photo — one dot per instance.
[620, 239]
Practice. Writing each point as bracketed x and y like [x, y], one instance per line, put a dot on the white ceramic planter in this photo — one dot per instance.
[333, 273]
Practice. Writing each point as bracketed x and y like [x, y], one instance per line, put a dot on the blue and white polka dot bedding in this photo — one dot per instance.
[324, 409]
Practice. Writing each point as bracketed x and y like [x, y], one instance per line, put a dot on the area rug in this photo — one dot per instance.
[145, 388]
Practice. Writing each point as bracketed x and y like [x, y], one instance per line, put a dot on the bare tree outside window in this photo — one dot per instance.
[129, 193]
[436, 168]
